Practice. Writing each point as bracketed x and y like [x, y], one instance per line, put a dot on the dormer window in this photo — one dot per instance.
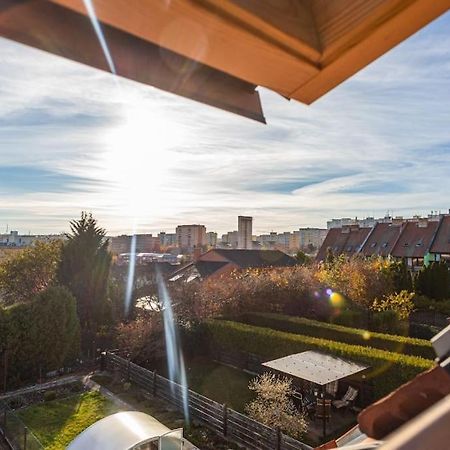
[385, 244]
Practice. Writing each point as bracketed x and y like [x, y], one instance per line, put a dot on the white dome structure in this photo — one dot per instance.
[128, 430]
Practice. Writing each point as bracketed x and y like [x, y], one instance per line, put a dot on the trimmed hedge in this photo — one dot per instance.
[389, 370]
[354, 336]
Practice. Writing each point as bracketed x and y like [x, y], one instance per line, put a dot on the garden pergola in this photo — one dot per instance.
[317, 368]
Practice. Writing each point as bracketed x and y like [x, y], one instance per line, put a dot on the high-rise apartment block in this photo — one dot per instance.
[190, 237]
[245, 232]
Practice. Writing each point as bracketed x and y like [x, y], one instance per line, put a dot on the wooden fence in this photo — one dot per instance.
[234, 426]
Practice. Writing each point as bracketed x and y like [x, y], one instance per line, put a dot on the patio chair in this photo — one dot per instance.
[331, 388]
[323, 411]
[348, 398]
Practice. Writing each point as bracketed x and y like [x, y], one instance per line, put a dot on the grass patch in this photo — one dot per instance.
[58, 422]
[220, 383]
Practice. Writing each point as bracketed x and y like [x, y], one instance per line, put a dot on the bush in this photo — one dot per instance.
[40, 336]
[388, 370]
[423, 302]
[389, 322]
[49, 396]
[354, 336]
[421, 331]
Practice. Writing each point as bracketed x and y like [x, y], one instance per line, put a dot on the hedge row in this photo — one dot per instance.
[354, 336]
[388, 370]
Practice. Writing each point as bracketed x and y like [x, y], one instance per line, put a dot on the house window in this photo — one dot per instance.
[385, 244]
[374, 244]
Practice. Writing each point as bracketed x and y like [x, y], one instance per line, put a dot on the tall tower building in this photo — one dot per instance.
[245, 232]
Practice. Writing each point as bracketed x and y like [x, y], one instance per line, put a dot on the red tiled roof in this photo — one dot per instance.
[382, 239]
[346, 240]
[441, 242]
[415, 240]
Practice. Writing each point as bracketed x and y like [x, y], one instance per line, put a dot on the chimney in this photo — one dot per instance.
[197, 253]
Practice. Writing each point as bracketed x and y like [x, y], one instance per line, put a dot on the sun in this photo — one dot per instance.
[138, 159]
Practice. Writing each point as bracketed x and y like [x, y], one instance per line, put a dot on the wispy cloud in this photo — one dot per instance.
[71, 140]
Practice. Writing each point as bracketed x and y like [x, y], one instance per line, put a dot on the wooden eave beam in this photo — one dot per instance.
[64, 32]
[351, 53]
[219, 33]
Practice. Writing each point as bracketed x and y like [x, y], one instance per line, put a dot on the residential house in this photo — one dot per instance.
[218, 262]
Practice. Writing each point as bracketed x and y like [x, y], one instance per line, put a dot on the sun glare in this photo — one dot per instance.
[139, 157]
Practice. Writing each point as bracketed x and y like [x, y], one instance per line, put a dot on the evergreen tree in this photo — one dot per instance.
[433, 281]
[84, 270]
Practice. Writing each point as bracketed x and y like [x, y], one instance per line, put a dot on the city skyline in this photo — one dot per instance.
[72, 139]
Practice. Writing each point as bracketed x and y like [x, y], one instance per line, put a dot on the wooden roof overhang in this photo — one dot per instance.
[218, 51]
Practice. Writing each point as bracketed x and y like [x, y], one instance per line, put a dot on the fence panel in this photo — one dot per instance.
[18, 436]
[234, 426]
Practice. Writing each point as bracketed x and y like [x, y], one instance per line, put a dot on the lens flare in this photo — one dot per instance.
[337, 300]
[175, 360]
[329, 292]
[100, 36]
[366, 335]
[130, 279]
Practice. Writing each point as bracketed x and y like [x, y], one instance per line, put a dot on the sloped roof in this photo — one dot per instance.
[256, 258]
[204, 269]
[122, 431]
[415, 239]
[381, 240]
[441, 242]
[345, 240]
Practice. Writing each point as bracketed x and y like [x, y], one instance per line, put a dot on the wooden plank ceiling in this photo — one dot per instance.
[300, 49]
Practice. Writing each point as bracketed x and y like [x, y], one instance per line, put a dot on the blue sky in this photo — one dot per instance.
[72, 139]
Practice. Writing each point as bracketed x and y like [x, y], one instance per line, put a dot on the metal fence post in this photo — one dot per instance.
[25, 438]
[103, 361]
[225, 419]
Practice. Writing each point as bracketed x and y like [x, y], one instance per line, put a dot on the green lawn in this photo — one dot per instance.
[220, 383]
[56, 423]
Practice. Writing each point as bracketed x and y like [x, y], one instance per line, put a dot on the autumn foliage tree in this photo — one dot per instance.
[143, 338]
[29, 272]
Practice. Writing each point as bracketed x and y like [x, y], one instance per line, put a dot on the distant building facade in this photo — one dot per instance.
[211, 239]
[190, 237]
[311, 239]
[367, 222]
[167, 239]
[145, 243]
[245, 232]
[230, 240]
[14, 239]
